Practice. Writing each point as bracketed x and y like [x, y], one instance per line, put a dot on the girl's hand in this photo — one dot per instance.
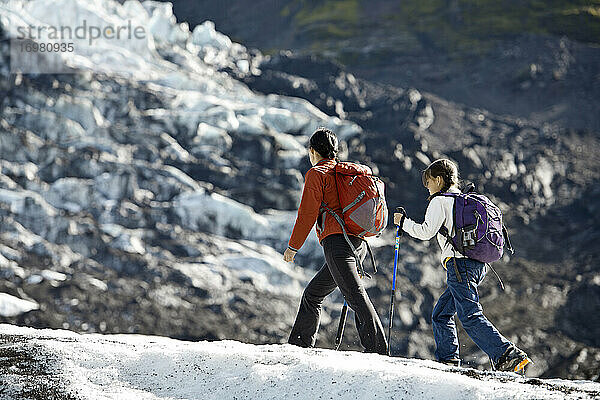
[288, 255]
[397, 218]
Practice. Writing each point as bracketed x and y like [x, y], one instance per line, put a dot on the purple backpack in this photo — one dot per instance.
[479, 232]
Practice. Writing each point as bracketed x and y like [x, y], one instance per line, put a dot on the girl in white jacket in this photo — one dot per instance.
[463, 276]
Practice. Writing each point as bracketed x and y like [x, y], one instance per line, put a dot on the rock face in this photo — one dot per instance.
[576, 316]
[158, 200]
[530, 60]
[162, 202]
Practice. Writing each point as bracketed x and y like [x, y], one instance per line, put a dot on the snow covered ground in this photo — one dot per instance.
[96, 366]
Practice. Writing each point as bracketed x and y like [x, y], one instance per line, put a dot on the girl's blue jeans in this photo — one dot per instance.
[461, 298]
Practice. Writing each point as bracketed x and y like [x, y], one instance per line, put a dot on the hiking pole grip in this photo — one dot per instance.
[340, 331]
[399, 231]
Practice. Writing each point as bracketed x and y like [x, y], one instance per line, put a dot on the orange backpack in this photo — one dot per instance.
[362, 199]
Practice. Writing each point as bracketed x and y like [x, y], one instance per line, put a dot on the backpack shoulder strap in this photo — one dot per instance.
[469, 188]
[508, 244]
[444, 194]
[372, 257]
[443, 230]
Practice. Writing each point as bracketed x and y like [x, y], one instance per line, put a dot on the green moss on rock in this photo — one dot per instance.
[454, 26]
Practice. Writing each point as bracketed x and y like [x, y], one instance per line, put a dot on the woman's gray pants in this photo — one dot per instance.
[339, 270]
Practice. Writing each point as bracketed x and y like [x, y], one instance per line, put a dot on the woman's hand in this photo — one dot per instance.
[288, 255]
[398, 218]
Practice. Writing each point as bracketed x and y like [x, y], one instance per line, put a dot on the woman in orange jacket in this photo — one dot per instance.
[340, 269]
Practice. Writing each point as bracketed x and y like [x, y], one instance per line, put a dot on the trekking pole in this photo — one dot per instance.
[340, 331]
[398, 234]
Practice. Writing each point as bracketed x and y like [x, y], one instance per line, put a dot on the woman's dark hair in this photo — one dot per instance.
[324, 142]
[445, 168]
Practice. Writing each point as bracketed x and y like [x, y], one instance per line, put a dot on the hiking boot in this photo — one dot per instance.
[453, 362]
[513, 360]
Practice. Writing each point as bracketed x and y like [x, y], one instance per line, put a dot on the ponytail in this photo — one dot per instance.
[324, 142]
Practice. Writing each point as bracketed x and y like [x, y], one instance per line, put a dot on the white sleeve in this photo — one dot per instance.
[434, 218]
